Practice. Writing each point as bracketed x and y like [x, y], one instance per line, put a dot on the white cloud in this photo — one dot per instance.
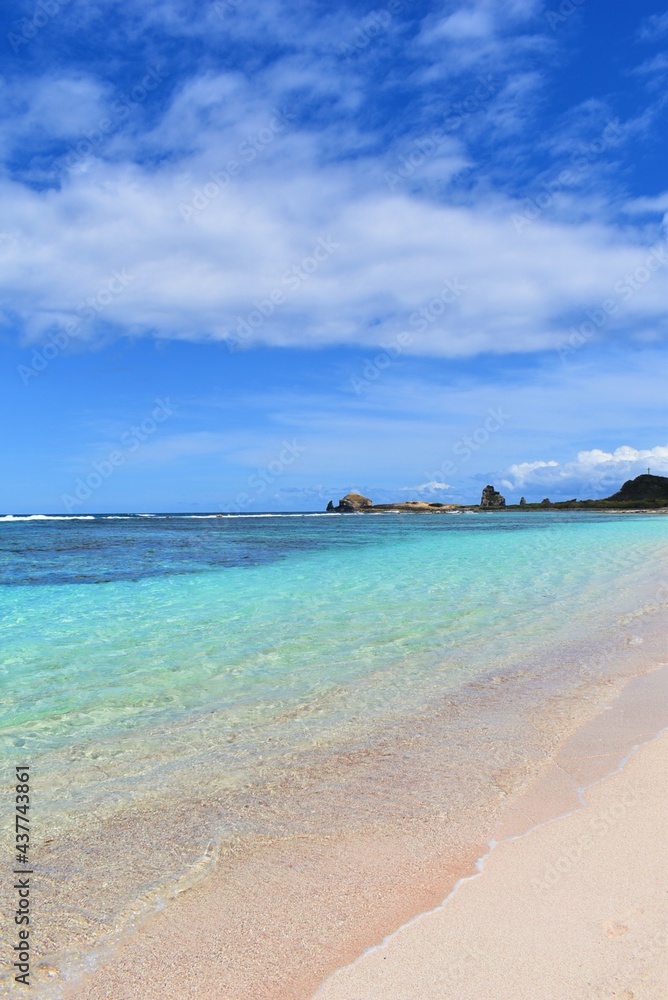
[601, 472]
[658, 203]
[206, 278]
[38, 110]
[293, 185]
[656, 66]
[653, 27]
[523, 472]
[483, 32]
[431, 487]
[465, 24]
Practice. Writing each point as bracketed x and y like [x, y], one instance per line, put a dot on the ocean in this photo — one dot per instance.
[160, 671]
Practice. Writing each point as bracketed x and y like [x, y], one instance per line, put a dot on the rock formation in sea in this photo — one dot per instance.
[355, 503]
[523, 502]
[490, 498]
[350, 503]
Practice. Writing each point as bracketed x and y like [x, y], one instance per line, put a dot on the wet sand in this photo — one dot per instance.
[278, 917]
[576, 907]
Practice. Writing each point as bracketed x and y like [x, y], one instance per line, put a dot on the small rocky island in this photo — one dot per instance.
[355, 503]
[645, 492]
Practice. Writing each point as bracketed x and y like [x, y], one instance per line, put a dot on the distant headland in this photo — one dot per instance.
[645, 492]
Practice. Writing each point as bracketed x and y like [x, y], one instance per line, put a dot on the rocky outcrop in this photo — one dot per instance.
[490, 498]
[350, 503]
[642, 489]
[646, 492]
[354, 503]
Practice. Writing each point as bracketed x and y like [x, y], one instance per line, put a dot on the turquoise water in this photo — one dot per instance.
[141, 651]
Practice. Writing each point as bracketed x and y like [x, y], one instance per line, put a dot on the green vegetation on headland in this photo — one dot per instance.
[645, 492]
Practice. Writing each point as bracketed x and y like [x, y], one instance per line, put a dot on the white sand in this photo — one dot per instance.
[576, 908]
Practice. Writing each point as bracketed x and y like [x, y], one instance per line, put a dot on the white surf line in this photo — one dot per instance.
[74, 967]
[480, 863]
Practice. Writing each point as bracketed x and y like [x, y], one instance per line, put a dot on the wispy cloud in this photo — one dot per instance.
[433, 486]
[653, 27]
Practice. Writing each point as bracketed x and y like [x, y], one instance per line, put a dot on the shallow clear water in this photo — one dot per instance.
[140, 650]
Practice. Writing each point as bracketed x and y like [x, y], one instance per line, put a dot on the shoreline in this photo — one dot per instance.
[330, 894]
[580, 854]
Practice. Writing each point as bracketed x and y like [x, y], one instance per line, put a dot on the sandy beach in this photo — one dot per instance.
[569, 902]
[577, 907]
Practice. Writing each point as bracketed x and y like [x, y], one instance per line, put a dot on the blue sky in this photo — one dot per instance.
[257, 254]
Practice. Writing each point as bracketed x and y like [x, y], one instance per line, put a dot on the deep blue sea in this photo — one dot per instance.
[141, 651]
